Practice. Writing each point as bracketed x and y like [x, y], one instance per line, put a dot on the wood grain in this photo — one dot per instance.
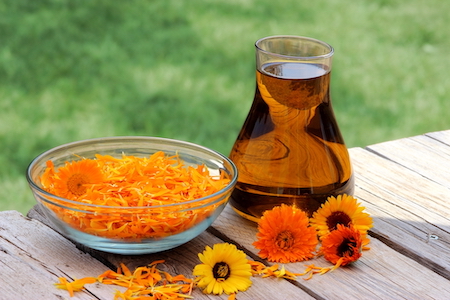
[32, 257]
[442, 136]
[53, 256]
[426, 156]
[403, 184]
[410, 213]
[396, 275]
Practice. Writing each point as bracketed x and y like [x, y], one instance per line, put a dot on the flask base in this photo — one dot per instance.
[244, 215]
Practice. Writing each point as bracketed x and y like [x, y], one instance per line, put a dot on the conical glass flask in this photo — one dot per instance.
[290, 149]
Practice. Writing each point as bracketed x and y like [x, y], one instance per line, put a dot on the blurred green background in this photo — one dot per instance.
[72, 69]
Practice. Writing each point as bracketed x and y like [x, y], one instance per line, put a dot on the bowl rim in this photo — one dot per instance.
[62, 201]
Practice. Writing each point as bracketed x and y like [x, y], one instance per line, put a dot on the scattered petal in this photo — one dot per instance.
[140, 283]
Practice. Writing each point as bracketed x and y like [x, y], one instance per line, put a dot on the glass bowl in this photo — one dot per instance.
[75, 219]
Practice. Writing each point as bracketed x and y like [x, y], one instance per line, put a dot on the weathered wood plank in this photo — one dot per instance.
[402, 187]
[32, 257]
[442, 136]
[426, 156]
[411, 213]
[403, 184]
[389, 192]
[382, 272]
[182, 260]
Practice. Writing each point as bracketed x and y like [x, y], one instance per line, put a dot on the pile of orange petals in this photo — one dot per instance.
[144, 283]
[132, 197]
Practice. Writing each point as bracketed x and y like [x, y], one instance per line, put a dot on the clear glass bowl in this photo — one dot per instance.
[69, 216]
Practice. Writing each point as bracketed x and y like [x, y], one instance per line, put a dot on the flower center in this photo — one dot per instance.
[338, 217]
[346, 248]
[221, 271]
[285, 240]
[75, 184]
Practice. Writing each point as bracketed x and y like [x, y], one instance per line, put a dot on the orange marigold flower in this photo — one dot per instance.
[344, 210]
[284, 235]
[342, 246]
[71, 181]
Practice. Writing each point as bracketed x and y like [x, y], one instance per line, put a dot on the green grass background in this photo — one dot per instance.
[72, 69]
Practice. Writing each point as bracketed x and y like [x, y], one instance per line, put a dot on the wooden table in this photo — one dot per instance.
[404, 185]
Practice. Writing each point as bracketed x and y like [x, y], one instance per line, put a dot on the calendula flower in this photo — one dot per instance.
[342, 246]
[224, 269]
[344, 210]
[284, 235]
[71, 180]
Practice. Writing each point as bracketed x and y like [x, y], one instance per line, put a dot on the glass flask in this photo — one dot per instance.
[290, 149]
